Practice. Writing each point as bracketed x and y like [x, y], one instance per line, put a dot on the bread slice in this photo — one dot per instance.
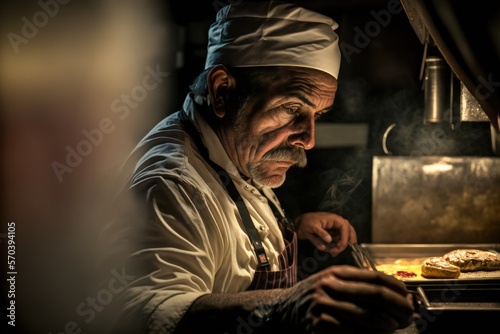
[438, 267]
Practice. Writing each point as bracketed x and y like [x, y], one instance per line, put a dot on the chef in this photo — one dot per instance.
[213, 248]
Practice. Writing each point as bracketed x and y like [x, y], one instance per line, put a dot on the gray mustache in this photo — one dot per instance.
[296, 154]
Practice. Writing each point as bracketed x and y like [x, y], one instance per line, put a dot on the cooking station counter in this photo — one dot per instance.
[444, 305]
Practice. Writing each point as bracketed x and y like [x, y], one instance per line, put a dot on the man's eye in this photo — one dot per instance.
[291, 110]
[318, 115]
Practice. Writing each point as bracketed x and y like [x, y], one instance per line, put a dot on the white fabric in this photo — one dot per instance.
[273, 33]
[196, 241]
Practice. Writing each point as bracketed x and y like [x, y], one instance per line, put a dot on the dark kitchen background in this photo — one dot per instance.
[74, 105]
[379, 116]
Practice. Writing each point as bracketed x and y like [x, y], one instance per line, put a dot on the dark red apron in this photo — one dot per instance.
[264, 278]
[286, 277]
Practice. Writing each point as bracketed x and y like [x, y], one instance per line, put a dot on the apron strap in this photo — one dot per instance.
[283, 220]
[228, 183]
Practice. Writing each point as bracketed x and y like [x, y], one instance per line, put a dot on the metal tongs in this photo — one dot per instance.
[362, 259]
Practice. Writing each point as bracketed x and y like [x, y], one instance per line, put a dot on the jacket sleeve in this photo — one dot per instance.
[175, 248]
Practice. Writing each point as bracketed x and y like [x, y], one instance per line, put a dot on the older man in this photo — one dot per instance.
[214, 249]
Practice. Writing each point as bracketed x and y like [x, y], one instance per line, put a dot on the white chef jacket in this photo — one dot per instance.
[194, 241]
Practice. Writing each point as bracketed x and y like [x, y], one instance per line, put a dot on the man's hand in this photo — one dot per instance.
[345, 299]
[329, 232]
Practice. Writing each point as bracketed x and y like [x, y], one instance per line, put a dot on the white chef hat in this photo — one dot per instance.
[273, 33]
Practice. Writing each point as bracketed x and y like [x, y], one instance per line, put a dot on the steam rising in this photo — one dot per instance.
[343, 184]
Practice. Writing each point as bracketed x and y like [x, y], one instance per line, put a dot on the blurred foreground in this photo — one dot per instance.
[81, 83]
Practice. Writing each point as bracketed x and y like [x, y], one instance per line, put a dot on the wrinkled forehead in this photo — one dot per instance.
[313, 87]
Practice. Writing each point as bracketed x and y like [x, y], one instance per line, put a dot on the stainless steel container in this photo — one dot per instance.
[437, 87]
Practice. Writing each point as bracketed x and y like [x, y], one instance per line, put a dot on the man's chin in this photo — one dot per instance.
[273, 181]
[271, 173]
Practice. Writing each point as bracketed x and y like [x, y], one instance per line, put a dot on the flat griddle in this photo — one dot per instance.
[382, 253]
[474, 291]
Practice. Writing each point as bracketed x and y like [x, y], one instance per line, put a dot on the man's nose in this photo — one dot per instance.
[303, 135]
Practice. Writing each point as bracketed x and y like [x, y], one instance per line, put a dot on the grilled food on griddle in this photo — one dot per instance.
[451, 264]
[473, 259]
[438, 267]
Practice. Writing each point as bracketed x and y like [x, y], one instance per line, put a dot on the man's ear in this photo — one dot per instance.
[219, 81]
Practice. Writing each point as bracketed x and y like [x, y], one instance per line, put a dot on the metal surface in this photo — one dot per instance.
[384, 253]
[444, 305]
[416, 21]
[436, 89]
[435, 199]
[482, 299]
[495, 139]
[470, 109]
[379, 251]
